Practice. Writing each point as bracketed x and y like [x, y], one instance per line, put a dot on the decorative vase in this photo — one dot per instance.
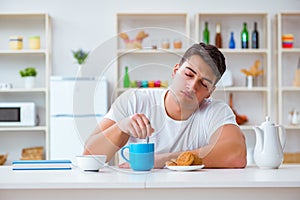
[29, 82]
[79, 70]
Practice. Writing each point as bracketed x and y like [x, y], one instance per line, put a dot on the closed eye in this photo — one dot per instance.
[189, 75]
[203, 84]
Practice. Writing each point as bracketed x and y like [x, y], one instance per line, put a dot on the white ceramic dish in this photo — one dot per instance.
[185, 168]
[91, 162]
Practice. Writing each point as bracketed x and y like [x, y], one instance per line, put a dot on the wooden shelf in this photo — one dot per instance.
[290, 89]
[25, 51]
[160, 26]
[287, 22]
[12, 61]
[151, 51]
[120, 90]
[247, 127]
[20, 90]
[22, 128]
[290, 50]
[292, 127]
[245, 51]
[241, 89]
[260, 98]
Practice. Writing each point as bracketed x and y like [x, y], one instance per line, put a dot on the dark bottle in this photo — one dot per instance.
[218, 40]
[126, 79]
[206, 34]
[245, 37]
[255, 37]
[231, 41]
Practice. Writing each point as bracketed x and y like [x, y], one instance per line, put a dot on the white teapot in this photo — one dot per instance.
[268, 151]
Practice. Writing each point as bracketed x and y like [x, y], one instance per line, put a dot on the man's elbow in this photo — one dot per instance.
[238, 159]
[86, 152]
[239, 162]
[88, 148]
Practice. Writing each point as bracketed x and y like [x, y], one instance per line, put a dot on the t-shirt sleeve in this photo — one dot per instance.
[120, 109]
[220, 114]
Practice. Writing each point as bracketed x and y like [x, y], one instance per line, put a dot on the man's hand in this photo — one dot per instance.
[137, 126]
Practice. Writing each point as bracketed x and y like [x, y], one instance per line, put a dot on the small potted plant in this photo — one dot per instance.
[80, 56]
[29, 74]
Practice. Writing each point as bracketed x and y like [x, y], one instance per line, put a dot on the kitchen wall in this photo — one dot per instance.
[91, 24]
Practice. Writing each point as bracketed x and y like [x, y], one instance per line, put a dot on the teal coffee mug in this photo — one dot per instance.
[141, 156]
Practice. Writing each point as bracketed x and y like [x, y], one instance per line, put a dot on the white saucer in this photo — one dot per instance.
[185, 168]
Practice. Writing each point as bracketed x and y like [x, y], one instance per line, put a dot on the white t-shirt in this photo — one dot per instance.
[172, 135]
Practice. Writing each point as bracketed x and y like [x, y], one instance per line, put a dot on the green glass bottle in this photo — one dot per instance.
[244, 37]
[126, 79]
[206, 34]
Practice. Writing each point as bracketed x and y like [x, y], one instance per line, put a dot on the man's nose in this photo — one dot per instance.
[193, 85]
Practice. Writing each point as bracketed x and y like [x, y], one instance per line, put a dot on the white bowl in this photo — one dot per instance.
[91, 162]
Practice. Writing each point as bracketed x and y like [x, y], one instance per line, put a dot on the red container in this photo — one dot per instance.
[287, 45]
[287, 40]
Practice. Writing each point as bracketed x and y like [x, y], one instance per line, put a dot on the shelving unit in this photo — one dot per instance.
[157, 62]
[288, 95]
[13, 139]
[254, 102]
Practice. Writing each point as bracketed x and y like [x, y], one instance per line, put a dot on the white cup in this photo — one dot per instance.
[92, 163]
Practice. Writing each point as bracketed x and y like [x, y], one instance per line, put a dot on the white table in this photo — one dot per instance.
[111, 183]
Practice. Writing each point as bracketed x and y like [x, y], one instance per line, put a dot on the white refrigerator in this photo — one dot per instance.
[76, 106]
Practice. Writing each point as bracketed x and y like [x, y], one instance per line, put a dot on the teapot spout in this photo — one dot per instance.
[259, 138]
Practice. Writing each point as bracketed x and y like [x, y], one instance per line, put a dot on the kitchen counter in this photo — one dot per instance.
[115, 183]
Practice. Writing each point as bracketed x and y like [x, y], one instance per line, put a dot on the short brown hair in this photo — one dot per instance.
[210, 54]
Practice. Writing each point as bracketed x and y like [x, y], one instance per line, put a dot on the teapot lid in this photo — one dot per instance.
[267, 122]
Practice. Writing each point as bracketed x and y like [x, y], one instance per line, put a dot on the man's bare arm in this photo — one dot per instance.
[106, 139]
[226, 149]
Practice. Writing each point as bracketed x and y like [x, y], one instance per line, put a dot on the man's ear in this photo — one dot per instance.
[175, 69]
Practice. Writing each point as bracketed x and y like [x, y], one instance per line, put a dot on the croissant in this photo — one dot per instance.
[186, 158]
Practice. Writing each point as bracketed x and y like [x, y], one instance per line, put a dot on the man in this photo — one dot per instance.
[181, 118]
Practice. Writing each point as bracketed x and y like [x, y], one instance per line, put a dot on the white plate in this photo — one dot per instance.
[185, 168]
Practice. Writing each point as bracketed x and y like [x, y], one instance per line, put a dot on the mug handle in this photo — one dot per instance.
[122, 153]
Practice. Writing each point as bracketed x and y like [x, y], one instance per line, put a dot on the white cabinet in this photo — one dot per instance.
[288, 60]
[253, 102]
[13, 139]
[149, 63]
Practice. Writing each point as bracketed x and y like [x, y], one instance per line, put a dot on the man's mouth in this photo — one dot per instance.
[187, 94]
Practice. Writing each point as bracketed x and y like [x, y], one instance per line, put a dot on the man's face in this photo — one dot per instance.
[193, 81]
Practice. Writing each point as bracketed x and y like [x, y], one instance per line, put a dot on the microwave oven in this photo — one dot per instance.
[17, 114]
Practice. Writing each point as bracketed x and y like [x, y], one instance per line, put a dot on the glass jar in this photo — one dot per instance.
[34, 42]
[177, 44]
[16, 43]
[165, 44]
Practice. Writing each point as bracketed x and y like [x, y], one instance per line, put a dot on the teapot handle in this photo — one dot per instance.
[282, 136]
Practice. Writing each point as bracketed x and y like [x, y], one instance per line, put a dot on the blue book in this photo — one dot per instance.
[42, 162]
[42, 165]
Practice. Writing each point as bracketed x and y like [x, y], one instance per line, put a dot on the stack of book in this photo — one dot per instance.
[42, 165]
